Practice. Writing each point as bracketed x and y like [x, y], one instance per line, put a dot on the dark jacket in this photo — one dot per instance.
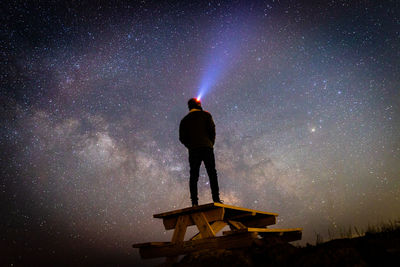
[197, 129]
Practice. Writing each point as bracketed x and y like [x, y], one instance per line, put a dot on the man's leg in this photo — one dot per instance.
[194, 162]
[209, 162]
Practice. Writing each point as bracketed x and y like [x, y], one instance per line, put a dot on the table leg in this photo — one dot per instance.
[179, 235]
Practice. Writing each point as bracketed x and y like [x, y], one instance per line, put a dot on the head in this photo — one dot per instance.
[194, 103]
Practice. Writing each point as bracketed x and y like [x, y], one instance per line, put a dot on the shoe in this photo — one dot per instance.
[195, 204]
[219, 201]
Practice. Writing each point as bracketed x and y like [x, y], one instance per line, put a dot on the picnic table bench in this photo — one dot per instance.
[246, 225]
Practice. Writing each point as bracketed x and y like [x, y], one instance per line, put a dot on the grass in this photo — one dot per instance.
[389, 226]
[352, 232]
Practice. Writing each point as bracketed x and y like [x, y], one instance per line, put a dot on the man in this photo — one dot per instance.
[197, 133]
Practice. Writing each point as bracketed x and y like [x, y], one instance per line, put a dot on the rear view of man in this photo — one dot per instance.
[197, 133]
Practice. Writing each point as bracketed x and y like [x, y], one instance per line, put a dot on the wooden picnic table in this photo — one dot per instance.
[246, 225]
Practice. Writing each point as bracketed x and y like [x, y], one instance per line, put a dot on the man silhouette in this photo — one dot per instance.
[197, 133]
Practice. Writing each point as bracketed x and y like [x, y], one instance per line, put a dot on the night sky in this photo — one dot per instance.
[305, 98]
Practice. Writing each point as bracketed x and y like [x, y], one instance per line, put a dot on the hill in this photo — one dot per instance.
[372, 249]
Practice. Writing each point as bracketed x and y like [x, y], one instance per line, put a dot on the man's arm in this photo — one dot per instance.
[211, 129]
[182, 133]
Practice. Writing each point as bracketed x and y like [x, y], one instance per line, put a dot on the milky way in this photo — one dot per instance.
[306, 106]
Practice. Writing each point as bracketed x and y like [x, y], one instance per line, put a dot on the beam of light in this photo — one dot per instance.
[223, 52]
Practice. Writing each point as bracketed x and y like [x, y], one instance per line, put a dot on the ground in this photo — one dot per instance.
[378, 249]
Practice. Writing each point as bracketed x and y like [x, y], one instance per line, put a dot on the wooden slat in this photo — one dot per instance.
[210, 206]
[211, 215]
[202, 224]
[216, 211]
[288, 235]
[284, 236]
[263, 230]
[222, 242]
[216, 226]
[258, 221]
[236, 225]
[229, 207]
[240, 209]
[184, 211]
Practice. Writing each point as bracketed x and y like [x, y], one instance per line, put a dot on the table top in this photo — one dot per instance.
[230, 211]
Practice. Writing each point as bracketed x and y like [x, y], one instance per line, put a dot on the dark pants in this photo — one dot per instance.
[196, 156]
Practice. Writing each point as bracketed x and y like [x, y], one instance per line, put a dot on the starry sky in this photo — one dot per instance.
[305, 98]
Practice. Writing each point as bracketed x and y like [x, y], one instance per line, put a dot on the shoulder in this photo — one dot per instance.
[205, 112]
[186, 118]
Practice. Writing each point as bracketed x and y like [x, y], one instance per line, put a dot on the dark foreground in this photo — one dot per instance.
[379, 249]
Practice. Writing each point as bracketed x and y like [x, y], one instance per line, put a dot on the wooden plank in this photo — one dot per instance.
[216, 214]
[263, 230]
[184, 211]
[284, 236]
[210, 206]
[222, 242]
[202, 224]
[234, 215]
[258, 221]
[216, 226]
[180, 229]
[213, 212]
[236, 225]
[288, 235]
[229, 207]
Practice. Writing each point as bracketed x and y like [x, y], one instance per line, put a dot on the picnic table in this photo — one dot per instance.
[246, 226]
